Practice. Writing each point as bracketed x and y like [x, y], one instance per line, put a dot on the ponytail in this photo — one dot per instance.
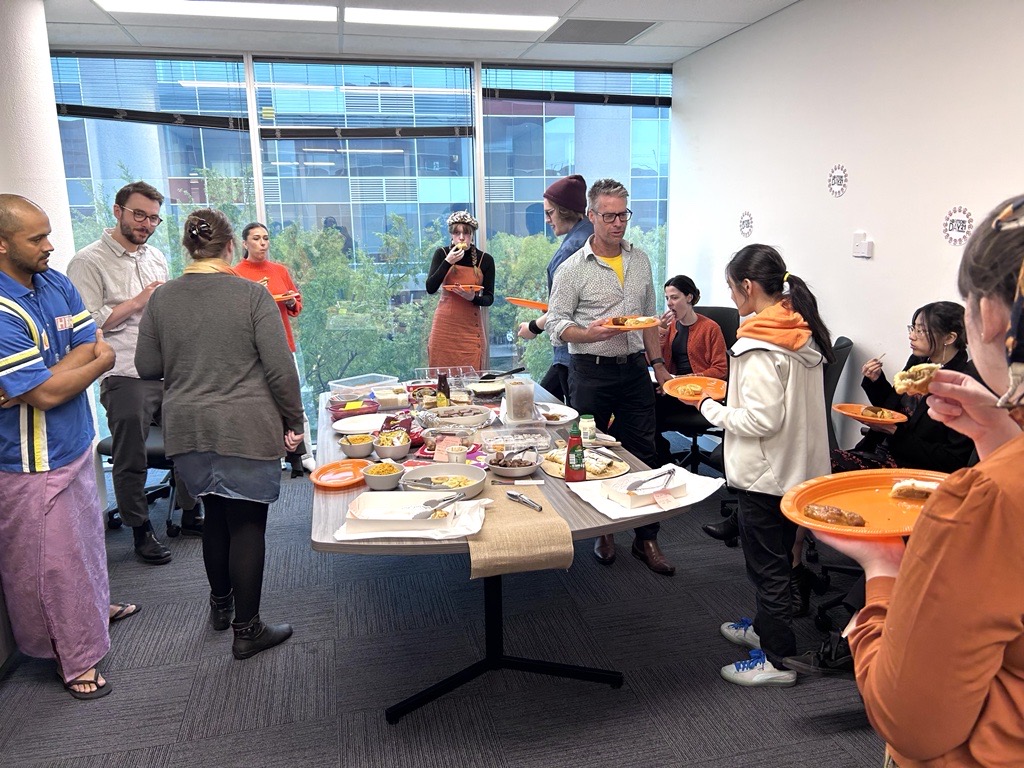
[763, 265]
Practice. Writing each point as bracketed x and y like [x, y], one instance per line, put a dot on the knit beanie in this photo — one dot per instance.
[570, 193]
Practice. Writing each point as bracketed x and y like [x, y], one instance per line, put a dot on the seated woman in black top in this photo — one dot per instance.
[937, 335]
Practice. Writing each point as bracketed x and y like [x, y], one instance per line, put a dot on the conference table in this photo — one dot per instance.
[585, 522]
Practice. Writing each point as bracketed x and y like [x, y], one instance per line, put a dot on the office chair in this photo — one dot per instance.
[690, 423]
[155, 459]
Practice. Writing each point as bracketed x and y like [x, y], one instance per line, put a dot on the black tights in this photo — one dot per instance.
[233, 549]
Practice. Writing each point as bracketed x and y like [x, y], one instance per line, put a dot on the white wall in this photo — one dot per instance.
[918, 99]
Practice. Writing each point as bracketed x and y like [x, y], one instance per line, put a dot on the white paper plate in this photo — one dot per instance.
[360, 425]
[564, 412]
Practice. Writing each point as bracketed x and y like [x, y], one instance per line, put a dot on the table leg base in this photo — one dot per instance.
[395, 713]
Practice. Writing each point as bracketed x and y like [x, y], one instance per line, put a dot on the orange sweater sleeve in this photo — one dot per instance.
[939, 651]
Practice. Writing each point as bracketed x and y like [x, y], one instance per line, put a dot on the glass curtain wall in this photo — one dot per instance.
[361, 165]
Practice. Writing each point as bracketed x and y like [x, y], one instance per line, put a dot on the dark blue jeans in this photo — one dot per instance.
[767, 537]
[624, 391]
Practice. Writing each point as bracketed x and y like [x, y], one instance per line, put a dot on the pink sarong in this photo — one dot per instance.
[53, 565]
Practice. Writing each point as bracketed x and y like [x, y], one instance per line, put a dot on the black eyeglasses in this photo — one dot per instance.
[141, 216]
[1008, 218]
[549, 212]
[608, 218]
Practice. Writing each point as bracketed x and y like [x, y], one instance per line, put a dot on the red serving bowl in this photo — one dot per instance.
[341, 412]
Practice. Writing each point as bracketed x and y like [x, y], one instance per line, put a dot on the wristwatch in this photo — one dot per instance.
[657, 360]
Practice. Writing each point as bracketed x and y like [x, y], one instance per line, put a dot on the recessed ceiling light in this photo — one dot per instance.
[453, 21]
[223, 9]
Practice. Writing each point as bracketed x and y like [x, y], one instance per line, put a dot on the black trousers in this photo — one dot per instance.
[556, 381]
[234, 550]
[133, 406]
[767, 537]
[623, 395]
[672, 415]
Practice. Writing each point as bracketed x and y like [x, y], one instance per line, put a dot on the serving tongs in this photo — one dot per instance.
[433, 505]
[667, 474]
[523, 499]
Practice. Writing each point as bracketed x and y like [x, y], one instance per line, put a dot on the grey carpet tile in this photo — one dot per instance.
[310, 744]
[357, 567]
[142, 640]
[57, 726]
[828, 706]
[521, 593]
[863, 745]
[705, 717]
[291, 565]
[147, 757]
[376, 672]
[452, 733]
[625, 579]
[557, 635]
[806, 754]
[16, 696]
[565, 731]
[633, 633]
[377, 606]
[292, 683]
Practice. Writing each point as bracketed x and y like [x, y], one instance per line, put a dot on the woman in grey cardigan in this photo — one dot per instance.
[231, 408]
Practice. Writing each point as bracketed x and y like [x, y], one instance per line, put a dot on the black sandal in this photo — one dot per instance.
[94, 679]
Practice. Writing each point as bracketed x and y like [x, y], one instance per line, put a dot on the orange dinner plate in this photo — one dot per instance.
[339, 474]
[528, 303]
[713, 388]
[853, 410]
[463, 287]
[864, 491]
[649, 324]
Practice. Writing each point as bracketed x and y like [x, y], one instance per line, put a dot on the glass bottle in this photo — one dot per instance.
[444, 391]
[575, 467]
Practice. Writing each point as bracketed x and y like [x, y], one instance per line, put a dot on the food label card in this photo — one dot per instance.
[442, 446]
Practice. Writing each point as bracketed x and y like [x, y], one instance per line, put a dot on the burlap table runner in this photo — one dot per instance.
[515, 538]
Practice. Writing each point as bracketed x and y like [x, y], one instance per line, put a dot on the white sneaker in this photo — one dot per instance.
[308, 463]
[742, 633]
[757, 671]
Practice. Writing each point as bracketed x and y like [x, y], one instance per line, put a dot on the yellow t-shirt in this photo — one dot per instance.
[615, 262]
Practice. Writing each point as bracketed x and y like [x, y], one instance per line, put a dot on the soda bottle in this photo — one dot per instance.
[575, 466]
[444, 391]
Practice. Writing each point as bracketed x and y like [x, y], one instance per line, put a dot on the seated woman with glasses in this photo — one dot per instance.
[937, 335]
[691, 344]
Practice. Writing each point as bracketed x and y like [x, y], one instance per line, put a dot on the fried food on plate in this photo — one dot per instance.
[825, 513]
[913, 489]
[877, 413]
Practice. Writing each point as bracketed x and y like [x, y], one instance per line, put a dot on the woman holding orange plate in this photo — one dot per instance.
[936, 335]
[467, 275]
[691, 344]
[938, 648]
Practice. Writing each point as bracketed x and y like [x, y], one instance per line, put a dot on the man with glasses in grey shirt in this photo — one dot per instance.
[606, 278]
[116, 275]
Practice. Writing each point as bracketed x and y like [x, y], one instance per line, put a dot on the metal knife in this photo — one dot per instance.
[516, 496]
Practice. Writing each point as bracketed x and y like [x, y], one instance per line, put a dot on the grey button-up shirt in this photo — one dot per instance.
[586, 289]
[107, 275]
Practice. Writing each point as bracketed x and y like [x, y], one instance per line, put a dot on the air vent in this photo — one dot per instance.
[598, 32]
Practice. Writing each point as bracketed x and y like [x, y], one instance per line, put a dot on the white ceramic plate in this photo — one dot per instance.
[564, 412]
[360, 425]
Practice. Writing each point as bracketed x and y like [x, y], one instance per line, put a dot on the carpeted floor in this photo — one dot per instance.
[371, 631]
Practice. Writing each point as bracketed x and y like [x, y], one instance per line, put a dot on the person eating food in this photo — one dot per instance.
[691, 344]
[937, 337]
[939, 646]
[467, 275]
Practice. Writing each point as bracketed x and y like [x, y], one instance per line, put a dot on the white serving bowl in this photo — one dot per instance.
[383, 482]
[392, 451]
[513, 471]
[423, 474]
[357, 450]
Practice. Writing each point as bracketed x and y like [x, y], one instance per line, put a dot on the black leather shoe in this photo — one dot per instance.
[604, 549]
[195, 528]
[151, 551]
[832, 659]
[728, 530]
[114, 520]
[255, 636]
[648, 552]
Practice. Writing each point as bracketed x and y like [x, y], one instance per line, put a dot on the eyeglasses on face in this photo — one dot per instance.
[141, 216]
[549, 212]
[917, 330]
[608, 218]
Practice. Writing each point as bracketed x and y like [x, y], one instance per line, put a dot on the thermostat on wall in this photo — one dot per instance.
[863, 247]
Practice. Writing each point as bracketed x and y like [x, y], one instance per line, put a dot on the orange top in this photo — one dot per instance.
[939, 651]
[278, 281]
[778, 324]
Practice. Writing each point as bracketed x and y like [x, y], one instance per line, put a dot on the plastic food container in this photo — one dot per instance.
[430, 436]
[512, 439]
[360, 385]
[391, 397]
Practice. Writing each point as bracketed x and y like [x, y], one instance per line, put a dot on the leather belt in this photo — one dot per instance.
[601, 360]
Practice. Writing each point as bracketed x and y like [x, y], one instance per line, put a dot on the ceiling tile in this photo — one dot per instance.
[691, 34]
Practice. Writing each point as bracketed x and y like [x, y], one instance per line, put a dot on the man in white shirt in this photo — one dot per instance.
[116, 275]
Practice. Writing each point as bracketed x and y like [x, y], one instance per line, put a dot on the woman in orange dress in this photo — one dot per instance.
[467, 275]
